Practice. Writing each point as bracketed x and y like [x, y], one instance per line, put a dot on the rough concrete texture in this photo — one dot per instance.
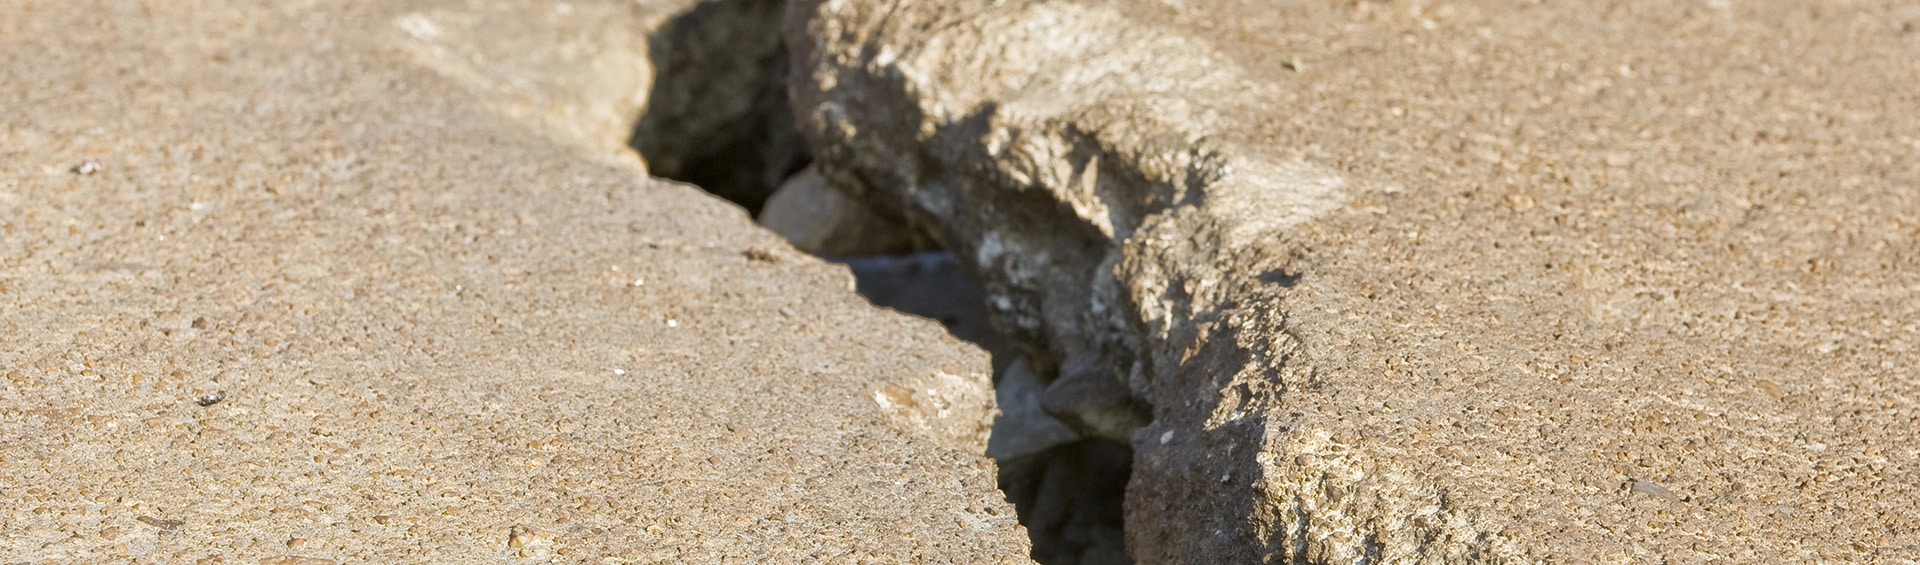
[1431, 281]
[579, 72]
[273, 291]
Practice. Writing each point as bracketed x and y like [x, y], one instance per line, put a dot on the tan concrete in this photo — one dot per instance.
[275, 287]
[1434, 281]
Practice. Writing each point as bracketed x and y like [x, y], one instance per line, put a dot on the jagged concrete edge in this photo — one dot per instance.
[1179, 323]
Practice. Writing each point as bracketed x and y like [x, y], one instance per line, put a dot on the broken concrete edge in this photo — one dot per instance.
[576, 74]
[937, 411]
[1124, 307]
[692, 86]
[597, 82]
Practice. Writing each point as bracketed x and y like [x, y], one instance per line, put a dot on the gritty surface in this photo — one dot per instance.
[1626, 282]
[273, 292]
[1644, 283]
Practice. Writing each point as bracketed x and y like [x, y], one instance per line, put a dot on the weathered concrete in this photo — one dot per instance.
[272, 291]
[1430, 281]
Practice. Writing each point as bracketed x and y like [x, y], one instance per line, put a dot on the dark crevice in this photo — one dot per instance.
[932, 285]
[719, 117]
[1066, 497]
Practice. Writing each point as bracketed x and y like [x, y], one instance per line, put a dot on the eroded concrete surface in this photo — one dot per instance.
[1429, 281]
[323, 282]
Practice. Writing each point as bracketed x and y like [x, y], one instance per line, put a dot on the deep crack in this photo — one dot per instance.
[719, 118]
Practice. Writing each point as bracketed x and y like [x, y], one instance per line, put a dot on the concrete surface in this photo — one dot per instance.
[324, 282]
[1430, 281]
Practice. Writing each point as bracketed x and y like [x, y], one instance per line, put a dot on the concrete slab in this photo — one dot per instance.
[274, 288]
[1432, 281]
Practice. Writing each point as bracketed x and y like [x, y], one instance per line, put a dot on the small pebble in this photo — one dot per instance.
[514, 538]
[673, 323]
[87, 167]
[1651, 489]
[168, 525]
[211, 398]
[526, 539]
[762, 255]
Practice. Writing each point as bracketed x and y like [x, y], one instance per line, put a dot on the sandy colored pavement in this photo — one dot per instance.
[1640, 281]
[305, 282]
[1425, 281]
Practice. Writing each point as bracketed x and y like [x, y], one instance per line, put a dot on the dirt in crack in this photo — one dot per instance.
[718, 117]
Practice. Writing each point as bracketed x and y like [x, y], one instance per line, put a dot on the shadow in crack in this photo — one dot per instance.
[1070, 499]
[719, 117]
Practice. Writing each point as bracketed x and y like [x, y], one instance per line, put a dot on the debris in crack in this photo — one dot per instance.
[1087, 395]
[1097, 217]
[821, 220]
[1023, 427]
[1384, 308]
[719, 119]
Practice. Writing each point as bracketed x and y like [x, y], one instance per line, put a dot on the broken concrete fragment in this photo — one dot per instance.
[1023, 428]
[823, 221]
[1090, 397]
[320, 304]
[1431, 282]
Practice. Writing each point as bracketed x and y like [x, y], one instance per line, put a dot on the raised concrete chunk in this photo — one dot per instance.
[1430, 281]
[272, 291]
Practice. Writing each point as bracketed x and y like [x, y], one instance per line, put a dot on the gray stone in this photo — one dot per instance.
[818, 219]
[1023, 428]
[1426, 281]
[348, 284]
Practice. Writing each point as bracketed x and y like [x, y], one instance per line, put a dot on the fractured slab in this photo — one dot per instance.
[1430, 281]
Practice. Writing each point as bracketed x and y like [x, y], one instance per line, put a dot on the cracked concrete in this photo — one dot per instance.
[326, 282]
[1428, 281]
